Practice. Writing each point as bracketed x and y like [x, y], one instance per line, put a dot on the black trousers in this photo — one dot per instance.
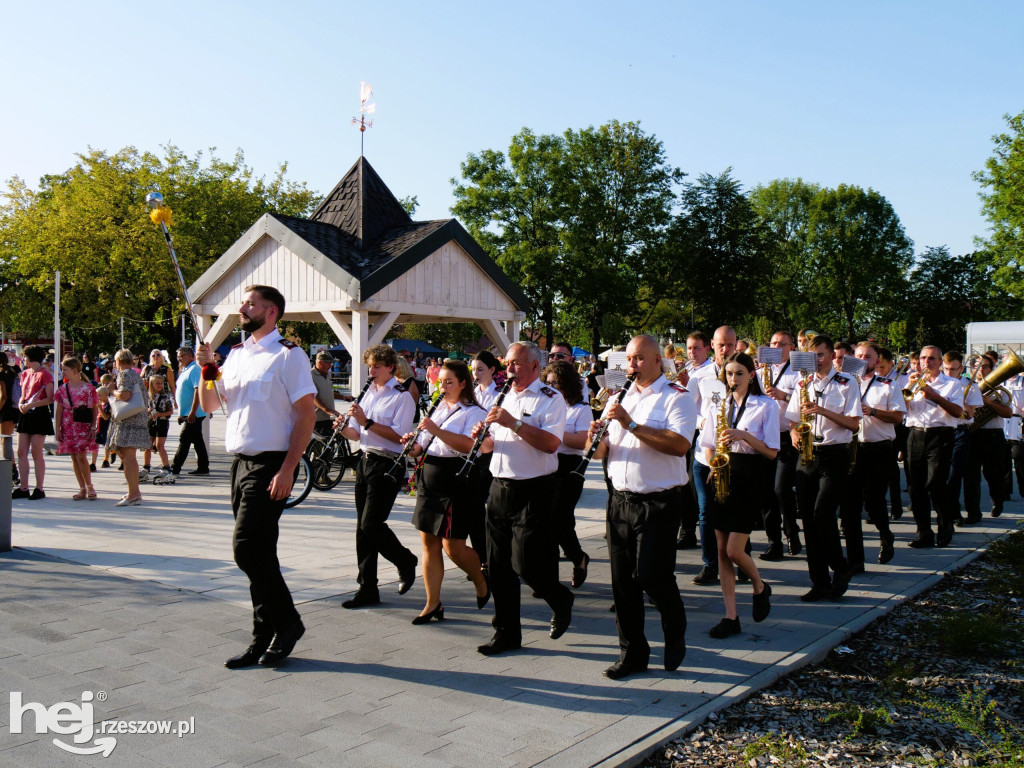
[480, 485]
[988, 455]
[866, 490]
[820, 486]
[962, 439]
[255, 541]
[785, 481]
[521, 545]
[929, 454]
[568, 489]
[1014, 461]
[191, 435]
[375, 494]
[690, 510]
[641, 548]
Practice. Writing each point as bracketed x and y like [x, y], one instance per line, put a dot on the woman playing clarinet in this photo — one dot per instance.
[443, 508]
[747, 435]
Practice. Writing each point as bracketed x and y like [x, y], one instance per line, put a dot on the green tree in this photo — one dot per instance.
[509, 205]
[617, 191]
[1003, 206]
[91, 224]
[858, 260]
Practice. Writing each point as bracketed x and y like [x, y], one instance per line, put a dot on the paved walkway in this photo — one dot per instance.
[144, 604]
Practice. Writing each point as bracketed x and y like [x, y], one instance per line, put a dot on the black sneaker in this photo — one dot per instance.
[774, 553]
[725, 627]
[20, 493]
[705, 577]
[36, 495]
[762, 603]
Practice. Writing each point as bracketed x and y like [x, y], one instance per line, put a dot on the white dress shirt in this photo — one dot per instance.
[836, 392]
[577, 419]
[883, 394]
[392, 406]
[632, 464]
[486, 395]
[927, 414]
[538, 406]
[760, 418]
[459, 418]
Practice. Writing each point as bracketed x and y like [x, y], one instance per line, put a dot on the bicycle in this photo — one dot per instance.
[303, 483]
[329, 458]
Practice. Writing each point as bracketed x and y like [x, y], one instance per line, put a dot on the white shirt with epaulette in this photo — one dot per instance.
[786, 379]
[260, 380]
[635, 466]
[538, 406]
[883, 394]
[390, 405]
[836, 392]
[577, 419]
[760, 417]
[927, 414]
[459, 418]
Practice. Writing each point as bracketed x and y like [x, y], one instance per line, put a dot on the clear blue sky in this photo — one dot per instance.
[902, 97]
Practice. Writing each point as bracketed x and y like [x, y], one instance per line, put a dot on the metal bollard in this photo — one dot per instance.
[5, 492]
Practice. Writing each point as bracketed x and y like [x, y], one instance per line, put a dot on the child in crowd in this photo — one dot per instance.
[161, 406]
[106, 384]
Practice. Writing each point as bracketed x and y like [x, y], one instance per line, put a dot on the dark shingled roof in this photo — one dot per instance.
[363, 229]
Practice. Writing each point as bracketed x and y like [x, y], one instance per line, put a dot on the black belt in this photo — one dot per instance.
[264, 457]
[635, 498]
[380, 453]
[510, 482]
[832, 448]
[935, 429]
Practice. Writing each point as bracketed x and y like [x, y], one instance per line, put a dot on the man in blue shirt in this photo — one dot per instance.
[190, 415]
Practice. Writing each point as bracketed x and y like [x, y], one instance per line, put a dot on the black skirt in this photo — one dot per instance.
[443, 502]
[743, 505]
[36, 422]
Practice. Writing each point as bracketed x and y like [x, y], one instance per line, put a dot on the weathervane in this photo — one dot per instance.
[365, 94]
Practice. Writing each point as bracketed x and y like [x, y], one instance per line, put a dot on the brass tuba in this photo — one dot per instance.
[1007, 369]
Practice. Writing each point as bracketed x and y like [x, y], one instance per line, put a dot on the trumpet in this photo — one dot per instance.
[720, 460]
[806, 426]
[909, 393]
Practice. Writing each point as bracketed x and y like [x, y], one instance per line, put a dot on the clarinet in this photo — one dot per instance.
[359, 397]
[396, 471]
[581, 470]
[470, 462]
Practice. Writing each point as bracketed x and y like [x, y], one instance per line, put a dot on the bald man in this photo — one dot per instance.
[649, 434]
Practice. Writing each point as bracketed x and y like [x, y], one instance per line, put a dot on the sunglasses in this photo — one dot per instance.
[559, 355]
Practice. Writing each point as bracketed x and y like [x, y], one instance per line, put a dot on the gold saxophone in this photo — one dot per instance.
[720, 459]
[806, 426]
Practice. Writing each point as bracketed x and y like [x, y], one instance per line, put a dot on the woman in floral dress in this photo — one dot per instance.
[76, 438]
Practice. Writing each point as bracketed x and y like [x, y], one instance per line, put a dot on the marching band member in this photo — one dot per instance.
[443, 511]
[648, 436]
[1014, 450]
[834, 404]
[697, 349]
[378, 423]
[882, 407]
[842, 350]
[932, 414]
[527, 431]
[952, 366]
[562, 376]
[723, 343]
[782, 514]
[485, 366]
[988, 450]
[886, 368]
[750, 435]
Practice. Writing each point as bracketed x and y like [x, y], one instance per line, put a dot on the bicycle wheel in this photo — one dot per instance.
[326, 473]
[303, 483]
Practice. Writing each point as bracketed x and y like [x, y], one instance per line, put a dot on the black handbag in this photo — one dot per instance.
[82, 414]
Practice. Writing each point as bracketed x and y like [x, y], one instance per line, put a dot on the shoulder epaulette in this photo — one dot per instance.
[842, 379]
[548, 391]
[238, 346]
[287, 344]
[679, 387]
[401, 388]
[883, 380]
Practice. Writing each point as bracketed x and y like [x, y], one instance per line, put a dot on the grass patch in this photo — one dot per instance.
[863, 720]
[1008, 551]
[962, 633]
[976, 714]
[783, 747]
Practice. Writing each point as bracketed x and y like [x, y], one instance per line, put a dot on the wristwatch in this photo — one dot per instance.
[632, 425]
[517, 425]
[369, 423]
[872, 412]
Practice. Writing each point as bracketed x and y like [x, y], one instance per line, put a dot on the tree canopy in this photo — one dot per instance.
[91, 223]
[1003, 206]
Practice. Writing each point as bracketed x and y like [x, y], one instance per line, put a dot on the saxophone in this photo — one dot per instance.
[806, 426]
[720, 459]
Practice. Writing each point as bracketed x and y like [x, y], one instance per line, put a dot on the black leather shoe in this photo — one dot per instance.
[816, 594]
[795, 547]
[674, 655]
[705, 577]
[841, 582]
[762, 603]
[623, 668]
[579, 572]
[362, 599]
[897, 512]
[20, 493]
[922, 543]
[687, 541]
[997, 510]
[499, 644]
[725, 628]
[773, 554]
[406, 577]
[251, 655]
[972, 519]
[199, 472]
[887, 551]
[561, 620]
[282, 644]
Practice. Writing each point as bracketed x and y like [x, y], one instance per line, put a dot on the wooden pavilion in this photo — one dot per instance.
[361, 264]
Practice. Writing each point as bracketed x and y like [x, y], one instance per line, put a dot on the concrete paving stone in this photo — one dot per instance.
[386, 755]
[461, 756]
[290, 745]
[406, 737]
[343, 731]
[331, 758]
